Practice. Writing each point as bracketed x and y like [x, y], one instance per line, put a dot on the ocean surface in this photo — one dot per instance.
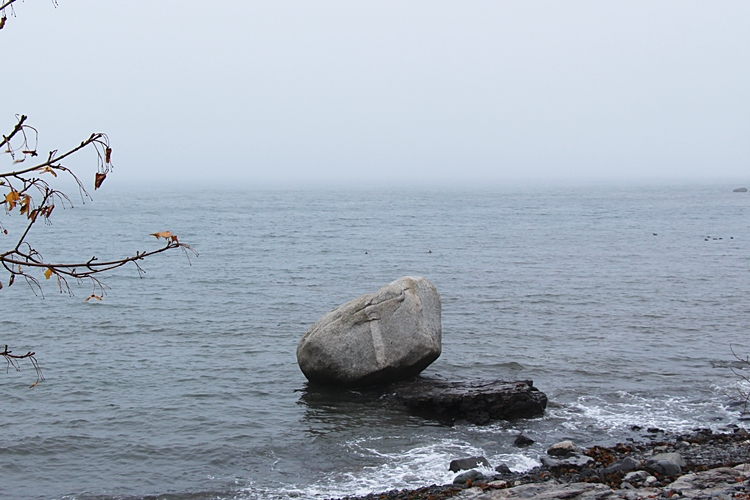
[620, 303]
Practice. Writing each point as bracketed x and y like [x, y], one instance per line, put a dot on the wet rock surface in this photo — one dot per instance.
[468, 463]
[478, 402]
[712, 466]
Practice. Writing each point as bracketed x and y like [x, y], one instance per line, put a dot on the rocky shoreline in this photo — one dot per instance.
[700, 465]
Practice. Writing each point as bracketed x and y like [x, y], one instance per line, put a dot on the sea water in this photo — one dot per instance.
[620, 303]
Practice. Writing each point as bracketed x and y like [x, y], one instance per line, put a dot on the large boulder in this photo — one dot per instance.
[378, 338]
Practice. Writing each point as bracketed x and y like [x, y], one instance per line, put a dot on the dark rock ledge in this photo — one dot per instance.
[716, 466]
[477, 402]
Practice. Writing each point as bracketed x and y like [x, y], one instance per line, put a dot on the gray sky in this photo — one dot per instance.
[388, 92]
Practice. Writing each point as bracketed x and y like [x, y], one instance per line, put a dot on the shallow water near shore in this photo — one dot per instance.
[185, 382]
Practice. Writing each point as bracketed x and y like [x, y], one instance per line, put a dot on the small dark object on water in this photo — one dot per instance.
[635, 428]
[429, 251]
[740, 190]
[653, 430]
[655, 234]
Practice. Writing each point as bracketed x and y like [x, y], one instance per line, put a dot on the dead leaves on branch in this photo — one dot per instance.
[166, 235]
[19, 184]
[98, 180]
[13, 361]
[22, 179]
[11, 199]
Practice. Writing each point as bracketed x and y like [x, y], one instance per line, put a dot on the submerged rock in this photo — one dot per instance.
[378, 338]
[468, 463]
[740, 190]
[523, 440]
[477, 402]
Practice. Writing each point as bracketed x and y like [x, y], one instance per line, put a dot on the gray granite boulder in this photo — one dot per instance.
[378, 338]
[562, 449]
[666, 464]
[472, 475]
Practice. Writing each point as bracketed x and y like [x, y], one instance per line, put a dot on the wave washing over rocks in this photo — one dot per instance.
[699, 465]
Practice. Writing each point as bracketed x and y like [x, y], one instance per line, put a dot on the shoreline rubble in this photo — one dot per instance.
[701, 464]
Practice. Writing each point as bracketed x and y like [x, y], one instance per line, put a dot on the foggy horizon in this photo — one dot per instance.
[418, 94]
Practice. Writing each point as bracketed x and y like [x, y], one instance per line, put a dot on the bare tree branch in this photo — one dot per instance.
[19, 184]
[12, 360]
[9, 3]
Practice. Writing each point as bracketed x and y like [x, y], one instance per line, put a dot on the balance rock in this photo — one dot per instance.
[378, 338]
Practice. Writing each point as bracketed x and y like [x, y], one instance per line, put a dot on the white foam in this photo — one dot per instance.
[409, 469]
[670, 413]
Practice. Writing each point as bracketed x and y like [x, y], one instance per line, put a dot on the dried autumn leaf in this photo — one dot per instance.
[107, 155]
[166, 235]
[48, 273]
[92, 296]
[25, 204]
[98, 180]
[20, 160]
[2, 22]
[49, 170]
[12, 198]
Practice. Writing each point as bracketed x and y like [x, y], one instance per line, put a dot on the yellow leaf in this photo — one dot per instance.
[12, 198]
[48, 273]
[92, 296]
